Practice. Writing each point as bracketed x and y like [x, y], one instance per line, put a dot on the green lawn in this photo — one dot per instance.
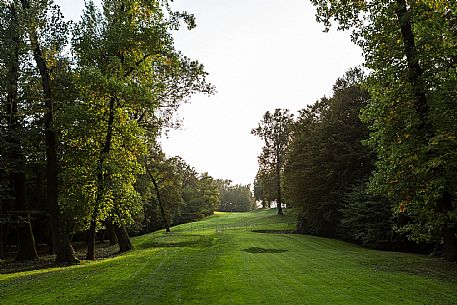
[221, 261]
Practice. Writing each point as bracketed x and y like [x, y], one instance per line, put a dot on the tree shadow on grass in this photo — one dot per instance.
[264, 250]
[275, 231]
[177, 241]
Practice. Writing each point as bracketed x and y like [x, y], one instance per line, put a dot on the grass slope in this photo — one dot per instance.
[220, 261]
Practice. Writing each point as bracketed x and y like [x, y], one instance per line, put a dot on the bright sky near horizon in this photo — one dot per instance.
[260, 55]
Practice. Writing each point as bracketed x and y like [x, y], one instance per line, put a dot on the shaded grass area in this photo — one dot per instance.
[46, 260]
[209, 267]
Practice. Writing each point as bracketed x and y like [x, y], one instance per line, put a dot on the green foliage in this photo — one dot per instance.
[168, 188]
[184, 194]
[201, 196]
[112, 95]
[274, 130]
[365, 217]
[235, 198]
[410, 49]
[326, 157]
[128, 81]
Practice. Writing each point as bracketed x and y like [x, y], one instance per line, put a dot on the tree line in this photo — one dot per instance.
[376, 161]
[81, 107]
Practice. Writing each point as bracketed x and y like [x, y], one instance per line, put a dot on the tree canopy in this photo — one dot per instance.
[274, 130]
[409, 47]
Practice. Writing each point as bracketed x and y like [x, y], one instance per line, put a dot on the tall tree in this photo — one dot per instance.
[129, 67]
[35, 14]
[13, 48]
[410, 48]
[274, 130]
[326, 156]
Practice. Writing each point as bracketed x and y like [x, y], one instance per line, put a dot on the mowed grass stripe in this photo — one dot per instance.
[192, 266]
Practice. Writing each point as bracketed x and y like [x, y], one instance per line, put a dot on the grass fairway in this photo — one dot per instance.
[221, 261]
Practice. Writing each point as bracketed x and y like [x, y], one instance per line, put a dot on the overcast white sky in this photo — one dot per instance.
[260, 55]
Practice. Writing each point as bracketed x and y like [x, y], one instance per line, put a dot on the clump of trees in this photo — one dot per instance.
[376, 161]
[80, 108]
[235, 198]
[326, 157]
[173, 193]
[410, 47]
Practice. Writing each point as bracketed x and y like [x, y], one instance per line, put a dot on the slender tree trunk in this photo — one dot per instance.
[123, 238]
[162, 209]
[104, 153]
[90, 255]
[65, 253]
[278, 185]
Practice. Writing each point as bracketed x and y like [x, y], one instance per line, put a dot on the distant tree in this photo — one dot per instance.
[235, 198]
[208, 196]
[258, 191]
[274, 130]
[266, 186]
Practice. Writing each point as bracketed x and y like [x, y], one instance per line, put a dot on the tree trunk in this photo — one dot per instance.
[26, 249]
[301, 225]
[2, 241]
[65, 253]
[101, 236]
[111, 233]
[450, 244]
[51, 248]
[123, 238]
[278, 185]
[90, 255]
[162, 209]
[448, 231]
[104, 153]
[415, 71]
